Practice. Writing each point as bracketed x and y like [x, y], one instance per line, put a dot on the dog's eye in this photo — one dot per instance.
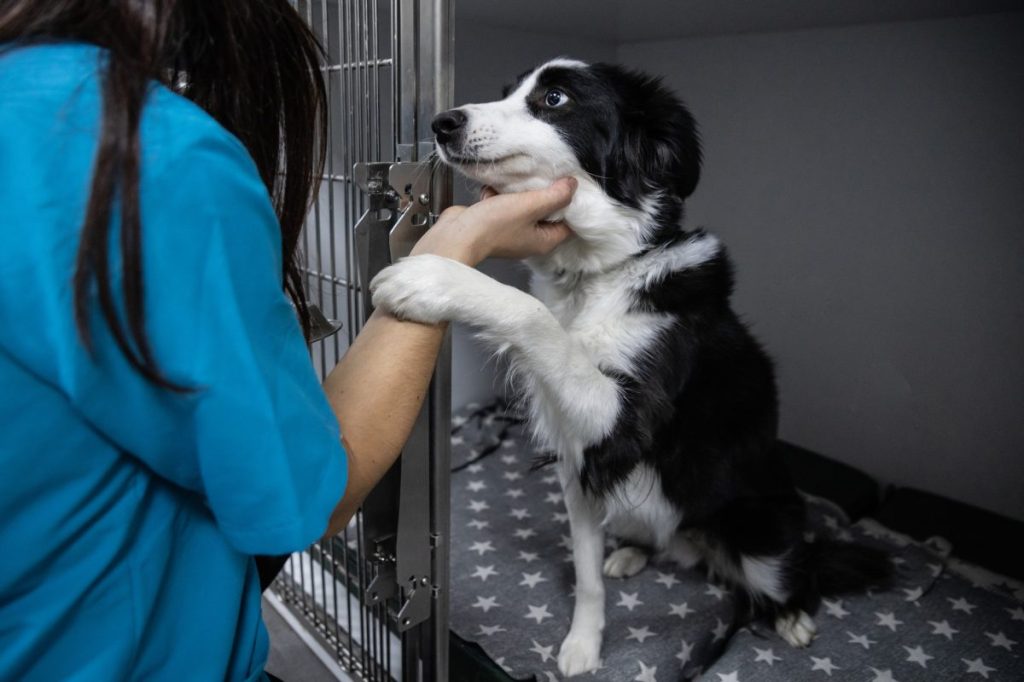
[555, 98]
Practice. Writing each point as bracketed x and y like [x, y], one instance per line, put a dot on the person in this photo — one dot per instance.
[161, 419]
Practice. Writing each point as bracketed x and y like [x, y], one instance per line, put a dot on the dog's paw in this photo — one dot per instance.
[625, 562]
[420, 288]
[579, 654]
[796, 628]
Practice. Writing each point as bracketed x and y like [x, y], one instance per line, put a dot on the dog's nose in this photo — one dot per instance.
[446, 124]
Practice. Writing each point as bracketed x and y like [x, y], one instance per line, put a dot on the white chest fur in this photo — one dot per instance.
[595, 310]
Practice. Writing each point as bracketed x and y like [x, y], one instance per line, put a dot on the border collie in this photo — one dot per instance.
[634, 370]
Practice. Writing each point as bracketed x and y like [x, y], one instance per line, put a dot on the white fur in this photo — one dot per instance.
[638, 511]
[625, 562]
[581, 322]
[516, 151]
[797, 629]
[762, 575]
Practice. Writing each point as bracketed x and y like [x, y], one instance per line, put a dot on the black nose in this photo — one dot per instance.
[447, 124]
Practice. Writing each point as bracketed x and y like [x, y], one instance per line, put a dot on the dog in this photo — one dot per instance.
[659, 404]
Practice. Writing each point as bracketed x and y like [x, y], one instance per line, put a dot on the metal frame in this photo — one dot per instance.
[374, 599]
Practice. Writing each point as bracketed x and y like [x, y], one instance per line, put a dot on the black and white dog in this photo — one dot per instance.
[659, 404]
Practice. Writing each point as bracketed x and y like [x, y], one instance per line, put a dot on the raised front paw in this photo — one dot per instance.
[423, 288]
[580, 653]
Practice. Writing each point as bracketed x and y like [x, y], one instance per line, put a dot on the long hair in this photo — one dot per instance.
[254, 66]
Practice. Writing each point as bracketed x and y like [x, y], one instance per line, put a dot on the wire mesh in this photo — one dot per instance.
[323, 586]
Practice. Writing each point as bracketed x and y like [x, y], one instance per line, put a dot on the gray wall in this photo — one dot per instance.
[486, 58]
[869, 182]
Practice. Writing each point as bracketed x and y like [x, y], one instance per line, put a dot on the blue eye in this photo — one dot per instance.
[555, 98]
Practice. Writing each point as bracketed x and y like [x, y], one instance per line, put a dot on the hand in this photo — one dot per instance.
[500, 225]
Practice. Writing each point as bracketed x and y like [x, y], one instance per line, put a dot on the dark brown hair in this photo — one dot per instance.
[252, 65]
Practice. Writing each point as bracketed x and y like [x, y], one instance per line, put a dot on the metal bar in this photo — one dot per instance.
[373, 63]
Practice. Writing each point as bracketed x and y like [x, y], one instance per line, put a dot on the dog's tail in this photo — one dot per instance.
[842, 567]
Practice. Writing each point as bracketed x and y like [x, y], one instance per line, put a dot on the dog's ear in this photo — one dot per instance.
[657, 146]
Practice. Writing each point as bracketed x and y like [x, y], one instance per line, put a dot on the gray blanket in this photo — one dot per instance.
[512, 579]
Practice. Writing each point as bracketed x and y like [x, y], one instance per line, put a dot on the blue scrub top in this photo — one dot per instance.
[128, 513]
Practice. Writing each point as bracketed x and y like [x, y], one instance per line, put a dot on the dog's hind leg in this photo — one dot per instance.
[581, 649]
[682, 551]
[625, 562]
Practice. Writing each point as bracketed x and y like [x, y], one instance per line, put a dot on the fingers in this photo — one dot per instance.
[544, 202]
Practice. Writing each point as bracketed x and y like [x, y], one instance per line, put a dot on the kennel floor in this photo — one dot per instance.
[512, 581]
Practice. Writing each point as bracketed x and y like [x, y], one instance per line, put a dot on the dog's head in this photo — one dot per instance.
[621, 130]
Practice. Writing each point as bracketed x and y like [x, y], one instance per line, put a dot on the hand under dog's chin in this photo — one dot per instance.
[526, 184]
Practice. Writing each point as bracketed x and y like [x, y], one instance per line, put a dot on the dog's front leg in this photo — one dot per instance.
[567, 390]
[581, 649]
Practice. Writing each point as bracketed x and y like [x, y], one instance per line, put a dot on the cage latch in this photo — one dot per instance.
[397, 216]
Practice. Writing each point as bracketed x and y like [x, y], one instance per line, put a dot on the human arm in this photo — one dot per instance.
[378, 387]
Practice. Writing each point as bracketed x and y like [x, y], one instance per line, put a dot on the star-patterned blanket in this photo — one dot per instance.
[512, 577]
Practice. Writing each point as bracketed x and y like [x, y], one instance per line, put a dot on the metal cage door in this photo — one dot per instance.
[372, 602]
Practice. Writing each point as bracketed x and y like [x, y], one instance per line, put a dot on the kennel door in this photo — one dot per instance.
[373, 601]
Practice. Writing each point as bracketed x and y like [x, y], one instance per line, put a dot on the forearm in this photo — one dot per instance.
[376, 391]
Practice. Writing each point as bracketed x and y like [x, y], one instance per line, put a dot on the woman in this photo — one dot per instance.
[161, 421]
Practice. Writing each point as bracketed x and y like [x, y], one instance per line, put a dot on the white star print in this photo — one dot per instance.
[553, 498]
[1016, 614]
[824, 664]
[519, 514]
[943, 628]
[666, 579]
[715, 591]
[458, 420]
[961, 605]
[478, 506]
[684, 653]
[507, 443]
[835, 608]
[475, 486]
[888, 620]
[731, 677]
[720, 630]
[978, 666]
[475, 468]
[935, 569]
[560, 517]
[539, 613]
[484, 572]
[509, 459]
[488, 630]
[479, 525]
[543, 651]
[861, 639]
[766, 656]
[917, 655]
[914, 594]
[1001, 640]
[515, 493]
[458, 440]
[481, 547]
[883, 675]
[680, 610]
[531, 579]
[512, 475]
[528, 556]
[646, 674]
[486, 603]
[524, 533]
[550, 480]
[639, 634]
[629, 600]
[566, 542]
[831, 522]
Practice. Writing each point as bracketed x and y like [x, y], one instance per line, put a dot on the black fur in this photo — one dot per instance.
[704, 415]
